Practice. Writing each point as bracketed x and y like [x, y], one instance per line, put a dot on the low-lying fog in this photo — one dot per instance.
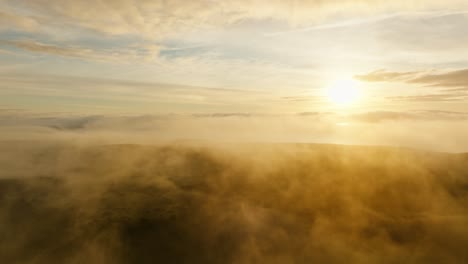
[230, 203]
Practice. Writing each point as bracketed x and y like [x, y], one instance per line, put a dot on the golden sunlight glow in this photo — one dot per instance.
[343, 92]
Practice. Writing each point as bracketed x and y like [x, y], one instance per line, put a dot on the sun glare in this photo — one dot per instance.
[343, 92]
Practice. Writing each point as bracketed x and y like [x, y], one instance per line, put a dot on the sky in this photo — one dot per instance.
[365, 60]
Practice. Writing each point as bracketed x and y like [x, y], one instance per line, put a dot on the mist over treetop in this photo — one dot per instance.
[196, 203]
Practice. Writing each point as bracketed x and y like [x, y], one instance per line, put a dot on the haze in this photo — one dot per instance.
[243, 131]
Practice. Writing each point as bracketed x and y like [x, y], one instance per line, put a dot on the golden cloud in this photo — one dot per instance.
[154, 19]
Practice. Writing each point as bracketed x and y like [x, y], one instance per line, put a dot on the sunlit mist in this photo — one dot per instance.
[233, 131]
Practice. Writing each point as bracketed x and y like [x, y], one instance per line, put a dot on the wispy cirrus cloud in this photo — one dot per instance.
[415, 115]
[303, 98]
[154, 19]
[450, 78]
[456, 78]
[442, 97]
[88, 53]
[124, 95]
[386, 76]
[453, 84]
[225, 44]
[13, 21]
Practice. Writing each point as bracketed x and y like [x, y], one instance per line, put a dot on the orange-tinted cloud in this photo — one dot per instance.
[450, 78]
[154, 19]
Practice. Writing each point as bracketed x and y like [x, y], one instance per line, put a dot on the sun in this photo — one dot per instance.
[343, 92]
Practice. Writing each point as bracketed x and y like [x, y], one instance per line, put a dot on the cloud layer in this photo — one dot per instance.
[154, 19]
